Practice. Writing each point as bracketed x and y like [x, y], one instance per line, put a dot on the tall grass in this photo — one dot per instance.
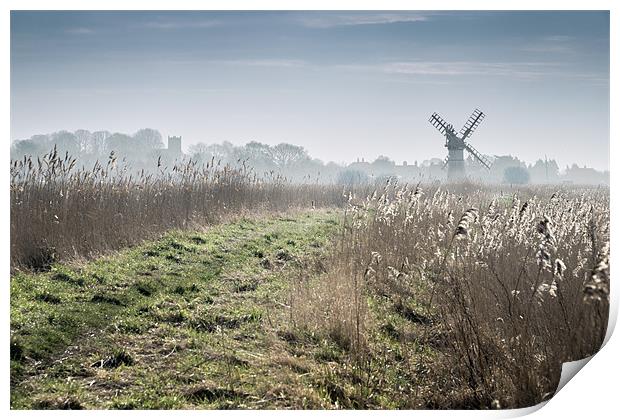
[59, 211]
[516, 284]
[510, 284]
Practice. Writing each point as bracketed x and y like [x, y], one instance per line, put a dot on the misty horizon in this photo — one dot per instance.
[147, 151]
[417, 161]
[343, 85]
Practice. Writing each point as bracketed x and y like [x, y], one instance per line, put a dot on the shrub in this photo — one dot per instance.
[516, 175]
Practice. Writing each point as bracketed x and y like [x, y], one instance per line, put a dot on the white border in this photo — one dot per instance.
[591, 395]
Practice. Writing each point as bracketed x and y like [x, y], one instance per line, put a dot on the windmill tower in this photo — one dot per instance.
[455, 143]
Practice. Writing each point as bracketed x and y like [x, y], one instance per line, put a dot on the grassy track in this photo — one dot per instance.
[198, 320]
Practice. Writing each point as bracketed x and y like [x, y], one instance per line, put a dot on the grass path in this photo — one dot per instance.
[200, 320]
[191, 320]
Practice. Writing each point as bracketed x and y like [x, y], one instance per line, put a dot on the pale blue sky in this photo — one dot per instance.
[342, 84]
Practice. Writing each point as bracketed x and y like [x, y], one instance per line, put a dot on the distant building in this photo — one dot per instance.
[174, 145]
[174, 150]
[585, 176]
[431, 170]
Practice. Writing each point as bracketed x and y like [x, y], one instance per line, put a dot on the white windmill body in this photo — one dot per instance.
[456, 144]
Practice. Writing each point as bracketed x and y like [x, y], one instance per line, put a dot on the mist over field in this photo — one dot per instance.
[145, 151]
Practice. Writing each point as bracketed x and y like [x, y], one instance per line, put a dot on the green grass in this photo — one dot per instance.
[200, 320]
[190, 310]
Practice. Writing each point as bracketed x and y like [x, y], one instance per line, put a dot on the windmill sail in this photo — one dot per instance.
[456, 144]
[483, 160]
[472, 123]
[439, 123]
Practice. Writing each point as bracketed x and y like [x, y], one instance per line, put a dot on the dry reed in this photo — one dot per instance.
[520, 283]
[59, 211]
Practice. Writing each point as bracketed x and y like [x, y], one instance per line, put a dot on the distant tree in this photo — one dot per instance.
[121, 145]
[21, 148]
[585, 175]
[383, 164]
[257, 151]
[221, 152]
[199, 152]
[148, 139]
[544, 171]
[256, 155]
[98, 142]
[284, 155]
[36, 145]
[383, 161]
[516, 175]
[306, 170]
[84, 140]
[499, 166]
[352, 177]
[66, 142]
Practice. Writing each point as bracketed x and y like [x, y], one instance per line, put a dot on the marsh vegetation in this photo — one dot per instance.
[206, 286]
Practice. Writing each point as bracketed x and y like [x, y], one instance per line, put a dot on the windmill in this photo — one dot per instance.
[456, 144]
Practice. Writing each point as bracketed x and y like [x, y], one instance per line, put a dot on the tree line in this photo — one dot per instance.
[145, 149]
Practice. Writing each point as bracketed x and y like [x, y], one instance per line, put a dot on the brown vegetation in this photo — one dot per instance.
[509, 287]
[456, 296]
[59, 211]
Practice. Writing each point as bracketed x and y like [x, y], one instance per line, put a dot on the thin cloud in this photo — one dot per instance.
[551, 44]
[276, 62]
[329, 21]
[79, 31]
[543, 48]
[524, 70]
[452, 69]
[178, 24]
[558, 38]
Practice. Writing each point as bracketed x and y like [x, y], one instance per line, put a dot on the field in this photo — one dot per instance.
[211, 288]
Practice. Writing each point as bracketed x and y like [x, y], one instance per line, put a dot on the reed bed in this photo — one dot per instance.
[513, 283]
[506, 284]
[59, 211]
